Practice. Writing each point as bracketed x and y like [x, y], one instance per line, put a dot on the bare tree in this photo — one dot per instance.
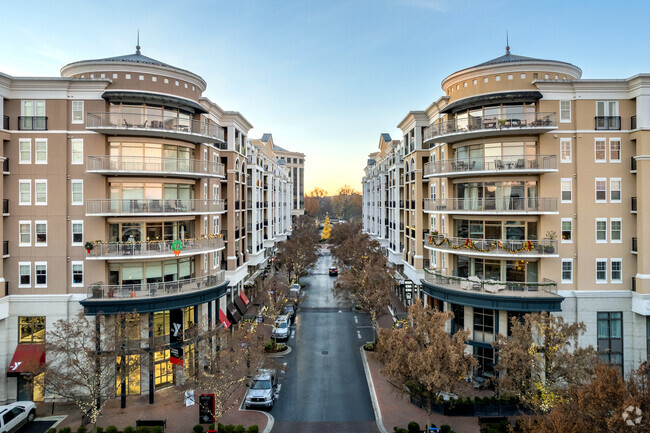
[347, 204]
[82, 354]
[540, 357]
[298, 253]
[424, 356]
[275, 291]
[223, 369]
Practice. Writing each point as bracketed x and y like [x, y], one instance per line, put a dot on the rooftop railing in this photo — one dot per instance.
[109, 207]
[500, 247]
[145, 164]
[515, 163]
[489, 205]
[153, 289]
[154, 123]
[139, 250]
[493, 287]
[533, 120]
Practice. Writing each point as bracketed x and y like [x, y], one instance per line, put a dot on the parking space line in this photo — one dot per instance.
[359, 335]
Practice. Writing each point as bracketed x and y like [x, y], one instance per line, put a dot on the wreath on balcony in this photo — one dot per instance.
[89, 246]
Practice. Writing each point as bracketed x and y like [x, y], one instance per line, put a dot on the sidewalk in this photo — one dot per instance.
[394, 407]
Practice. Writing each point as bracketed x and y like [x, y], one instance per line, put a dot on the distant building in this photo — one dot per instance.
[295, 162]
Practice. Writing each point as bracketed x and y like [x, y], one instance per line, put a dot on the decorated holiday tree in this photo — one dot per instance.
[327, 229]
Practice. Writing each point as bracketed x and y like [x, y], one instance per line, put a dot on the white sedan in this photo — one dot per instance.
[15, 415]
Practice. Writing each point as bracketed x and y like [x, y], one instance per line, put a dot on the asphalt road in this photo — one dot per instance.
[324, 386]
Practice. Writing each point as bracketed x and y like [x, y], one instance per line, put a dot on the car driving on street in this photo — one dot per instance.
[263, 389]
[334, 271]
[15, 415]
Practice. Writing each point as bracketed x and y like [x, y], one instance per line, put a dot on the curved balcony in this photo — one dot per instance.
[491, 206]
[489, 126]
[512, 164]
[152, 207]
[160, 126]
[153, 296]
[493, 247]
[495, 295]
[141, 165]
[151, 250]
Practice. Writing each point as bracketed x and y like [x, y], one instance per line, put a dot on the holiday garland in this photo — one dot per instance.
[470, 245]
[159, 241]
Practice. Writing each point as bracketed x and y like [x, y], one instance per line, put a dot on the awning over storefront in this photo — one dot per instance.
[243, 297]
[241, 307]
[223, 319]
[27, 359]
[251, 280]
[232, 313]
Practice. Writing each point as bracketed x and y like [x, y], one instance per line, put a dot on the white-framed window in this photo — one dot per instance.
[205, 225]
[40, 274]
[215, 225]
[566, 192]
[24, 192]
[614, 150]
[601, 190]
[442, 190]
[24, 151]
[77, 111]
[24, 233]
[205, 262]
[205, 191]
[77, 186]
[433, 191]
[567, 230]
[77, 232]
[615, 230]
[567, 271]
[24, 274]
[434, 223]
[601, 271]
[601, 230]
[443, 261]
[77, 274]
[565, 111]
[615, 190]
[40, 151]
[443, 225]
[40, 192]
[434, 260]
[40, 233]
[606, 108]
[215, 260]
[616, 270]
[215, 192]
[600, 150]
[77, 151]
[565, 150]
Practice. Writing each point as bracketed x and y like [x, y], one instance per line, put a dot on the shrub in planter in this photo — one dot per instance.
[111, 429]
[82, 429]
[400, 430]
[445, 428]
[51, 430]
[211, 426]
[65, 430]
[229, 428]
[99, 430]
[240, 429]
[156, 429]
[142, 429]
[253, 428]
[413, 427]
[129, 429]
[369, 347]
[197, 428]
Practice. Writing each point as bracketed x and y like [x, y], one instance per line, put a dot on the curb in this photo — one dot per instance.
[58, 419]
[270, 419]
[280, 354]
[373, 394]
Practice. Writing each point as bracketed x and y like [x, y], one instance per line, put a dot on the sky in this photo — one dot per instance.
[326, 78]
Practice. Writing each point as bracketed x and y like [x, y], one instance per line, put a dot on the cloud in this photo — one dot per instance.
[434, 5]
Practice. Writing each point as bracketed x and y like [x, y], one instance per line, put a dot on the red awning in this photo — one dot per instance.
[223, 319]
[243, 297]
[27, 359]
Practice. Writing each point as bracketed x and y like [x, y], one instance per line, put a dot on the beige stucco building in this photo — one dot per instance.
[521, 190]
[295, 163]
[125, 188]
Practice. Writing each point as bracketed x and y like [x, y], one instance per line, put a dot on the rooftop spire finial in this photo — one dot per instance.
[137, 47]
[507, 44]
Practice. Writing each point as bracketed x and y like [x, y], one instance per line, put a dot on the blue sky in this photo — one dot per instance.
[326, 77]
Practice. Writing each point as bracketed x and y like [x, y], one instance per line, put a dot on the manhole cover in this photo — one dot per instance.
[325, 352]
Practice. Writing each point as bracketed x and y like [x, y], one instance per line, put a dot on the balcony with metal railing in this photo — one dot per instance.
[143, 296]
[486, 206]
[5, 207]
[635, 247]
[489, 126]
[511, 164]
[608, 122]
[5, 166]
[503, 248]
[195, 131]
[32, 123]
[142, 165]
[154, 249]
[632, 204]
[5, 122]
[152, 207]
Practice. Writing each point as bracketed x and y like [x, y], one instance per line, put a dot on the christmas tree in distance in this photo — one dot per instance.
[327, 229]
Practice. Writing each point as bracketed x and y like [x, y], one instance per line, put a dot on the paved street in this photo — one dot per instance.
[324, 388]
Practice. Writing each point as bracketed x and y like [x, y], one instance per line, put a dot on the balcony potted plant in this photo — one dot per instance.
[550, 235]
[89, 246]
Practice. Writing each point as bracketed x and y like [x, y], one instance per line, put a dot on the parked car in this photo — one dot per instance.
[282, 328]
[262, 390]
[290, 312]
[294, 293]
[334, 271]
[15, 415]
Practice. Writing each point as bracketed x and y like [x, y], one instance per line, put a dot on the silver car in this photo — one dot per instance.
[282, 328]
[15, 415]
[263, 390]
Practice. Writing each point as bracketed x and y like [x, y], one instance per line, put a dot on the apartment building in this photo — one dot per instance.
[522, 191]
[295, 163]
[125, 189]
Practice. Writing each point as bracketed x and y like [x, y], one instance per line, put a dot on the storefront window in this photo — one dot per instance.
[163, 371]
[131, 374]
